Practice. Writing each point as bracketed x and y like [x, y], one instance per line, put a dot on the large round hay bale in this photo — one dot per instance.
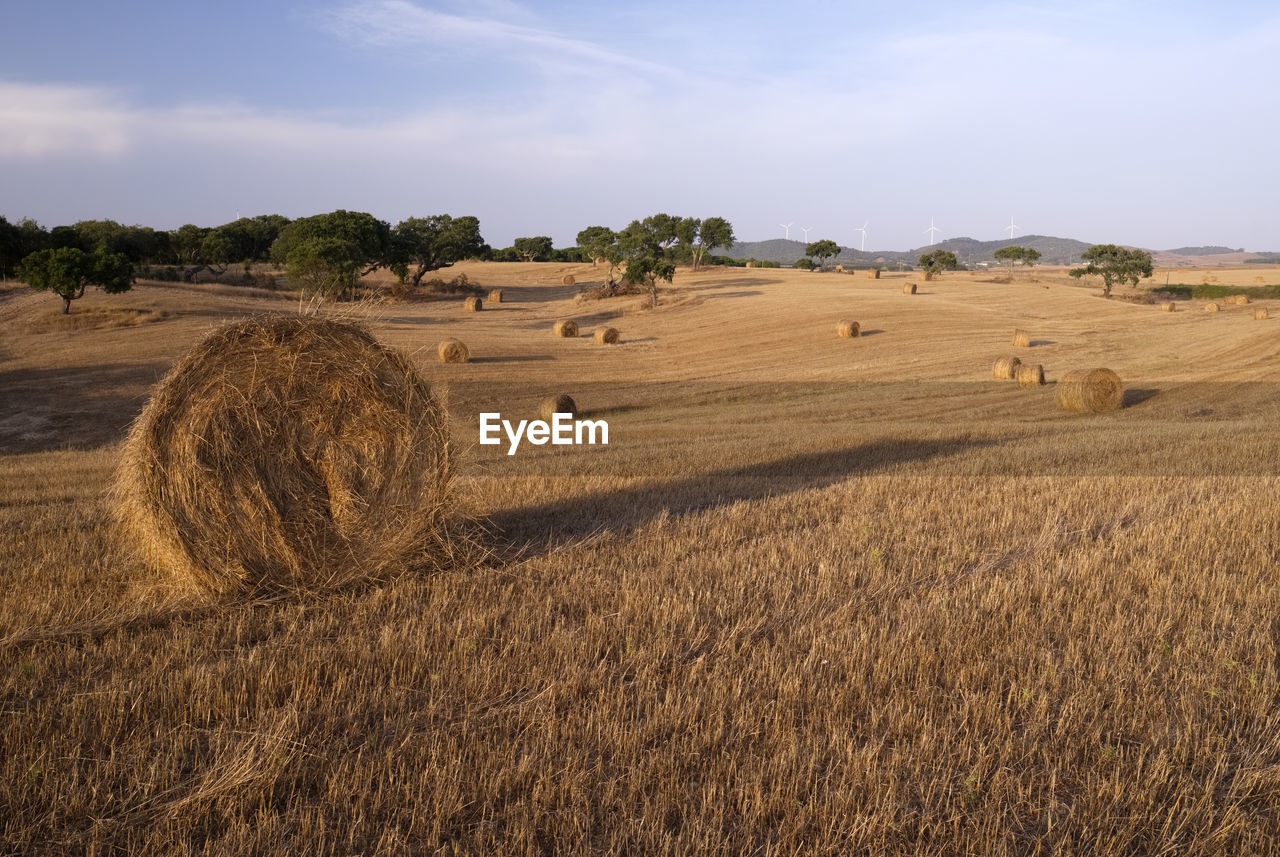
[473, 304]
[1211, 307]
[495, 296]
[453, 351]
[1240, 300]
[848, 329]
[1260, 313]
[285, 454]
[1021, 339]
[909, 289]
[568, 280]
[1005, 367]
[567, 328]
[561, 404]
[1089, 391]
[1169, 306]
[607, 336]
[873, 274]
[1029, 375]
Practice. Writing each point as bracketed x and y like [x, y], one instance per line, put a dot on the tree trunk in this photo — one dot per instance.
[66, 305]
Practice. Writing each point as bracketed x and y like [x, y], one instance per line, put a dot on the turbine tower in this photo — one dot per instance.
[805, 230]
[932, 229]
[1011, 227]
[863, 229]
[787, 226]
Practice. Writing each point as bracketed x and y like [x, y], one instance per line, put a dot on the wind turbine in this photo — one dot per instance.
[863, 229]
[1011, 227]
[932, 229]
[805, 230]
[787, 226]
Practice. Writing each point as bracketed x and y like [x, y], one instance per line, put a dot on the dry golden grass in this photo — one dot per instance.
[804, 603]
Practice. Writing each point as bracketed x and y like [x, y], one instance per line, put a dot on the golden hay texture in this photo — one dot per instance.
[1169, 306]
[1005, 367]
[928, 275]
[561, 404]
[873, 274]
[567, 328]
[751, 264]
[473, 304]
[607, 336]
[495, 296]
[839, 269]
[1210, 307]
[1260, 313]
[848, 329]
[453, 351]
[1089, 391]
[568, 280]
[1238, 300]
[1029, 375]
[909, 289]
[1021, 339]
[286, 454]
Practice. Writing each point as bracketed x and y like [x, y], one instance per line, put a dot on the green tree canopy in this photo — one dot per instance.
[823, 250]
[329, 252]
[537, 248]
[1014, 253]
[422, 244]
[67, 271]
[601, 242]
[939, 261]
[1115, 264]
[647, 260]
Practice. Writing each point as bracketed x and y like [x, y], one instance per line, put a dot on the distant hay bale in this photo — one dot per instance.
[873, 274]
[1029, 375]
[909, 289]
[1260, 313]
[848, 329]
[1211, 307]
[561, 404]
[286, 454]
[839, 269]
[928, 275]
[1021, 339]
[567, 328]
[1005, 367]
[751, 264]
[1169, 306]
[568, 280]
[495, 296]
[607, 336]
[473, 304]
[1238, 300]
[1089, 391]
[453, 351]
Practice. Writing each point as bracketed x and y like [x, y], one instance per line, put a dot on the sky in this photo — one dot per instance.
[1142, 123]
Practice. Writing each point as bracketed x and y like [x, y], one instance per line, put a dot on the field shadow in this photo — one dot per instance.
[541, 527]
[1136, 397]
[514, 358]
[745, 293]
[871, 332]
[1036, 342]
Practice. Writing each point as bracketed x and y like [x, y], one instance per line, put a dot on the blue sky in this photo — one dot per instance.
[1142, 123]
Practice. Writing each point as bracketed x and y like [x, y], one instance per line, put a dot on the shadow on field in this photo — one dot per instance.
[514, 358]
[545, 525]
[1138, 396]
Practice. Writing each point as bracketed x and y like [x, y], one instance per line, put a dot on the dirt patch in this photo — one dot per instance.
[92, 319]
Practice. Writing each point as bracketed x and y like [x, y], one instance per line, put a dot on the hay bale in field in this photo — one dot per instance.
[1021, 339]
[1260, 313]
[607, 336]
[1210, 307]
[495, 296]
[473, 304]
[750, 265]
[848, 329]
[928, 275]
[1169, 306]
[568, 280]
[561, 404]
[285, 454]
[873, 274]
[1005, 367]
[909, 289]
[453, 351]
[567, 328]
[1089, 391]
[1029, 375]
[839, 269]
[1240, 300]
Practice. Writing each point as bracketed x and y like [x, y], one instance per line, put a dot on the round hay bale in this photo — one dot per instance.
[567, 328]
[839, 269]
[750, 264]
[453, 351]
[1005, 367]
[1089, 391]
[873, 274]
[286, 454]
[1169, 306]
[1210, 307]
[1021, 339]
[1260, 313]
[1241, 300]
[928, 275]
[607, 336]
[473, 304]
[495, 296]
[1029, 375]
[568, 280]
[561, 404]
[848, 329]
[909, 289]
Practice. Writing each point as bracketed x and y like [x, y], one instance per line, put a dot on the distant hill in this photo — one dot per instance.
[1053, 251]
[1212, 250]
